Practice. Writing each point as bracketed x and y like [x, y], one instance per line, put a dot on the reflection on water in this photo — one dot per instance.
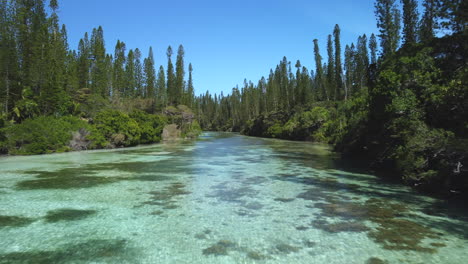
[224, 198]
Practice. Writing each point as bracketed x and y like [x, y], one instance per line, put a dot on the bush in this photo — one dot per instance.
[151, 126]
[118, 128]
[45, 134]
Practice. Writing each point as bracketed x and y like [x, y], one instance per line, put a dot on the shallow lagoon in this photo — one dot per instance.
[223, 198]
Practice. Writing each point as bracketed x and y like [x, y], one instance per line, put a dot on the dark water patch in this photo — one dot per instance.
[402, 234]
[255, 180]
[150, 178]
[372, 209]
[343, 226]
[166, 196]
[394, 231]
[233, 195]
[255, 255]
[222, 247]
[301, 228]
[65, 182]
[284, 200]
[111, 250]
[67, 214]
[284, 248]
[309, 244]
[375, 260]
[14, 221]
[157, 212]
[203, 235]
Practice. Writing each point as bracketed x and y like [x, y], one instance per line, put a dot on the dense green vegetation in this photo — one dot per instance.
[404, 109]
[55, 99]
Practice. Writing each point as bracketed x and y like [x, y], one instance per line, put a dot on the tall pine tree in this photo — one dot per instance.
[388, 22]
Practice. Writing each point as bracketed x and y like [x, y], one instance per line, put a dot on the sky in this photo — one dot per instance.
[226, 41]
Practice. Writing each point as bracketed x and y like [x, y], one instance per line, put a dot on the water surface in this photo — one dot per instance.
[223, 198]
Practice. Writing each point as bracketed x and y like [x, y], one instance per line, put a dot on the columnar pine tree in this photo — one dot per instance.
[410, 21]
[388, 22]
[331, 82]
[119, 65]
[454, 14]
[98, 56]
[161, 100]
[373, 49]
[338, 63]
[428, 23]
[190, 90]
[138, 74]
[150, 75]
[321, 90]
[9, 68]
[171, 86]
[362, 61]
[179, 79]
[84, 53]
[130, 82]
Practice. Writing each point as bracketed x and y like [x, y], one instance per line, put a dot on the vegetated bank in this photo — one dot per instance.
[109, 128]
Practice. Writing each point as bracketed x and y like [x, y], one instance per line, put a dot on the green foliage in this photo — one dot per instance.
[45, 134]
[118, 128]
[151, 126]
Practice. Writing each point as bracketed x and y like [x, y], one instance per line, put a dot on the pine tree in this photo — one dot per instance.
[349, 68]
[53, 98]
[362, 61]
[83, 62]
[338, 63]
[161, 99]
[373, 49]
[98, 56]
[410, 21]
[138, 74]
[179, 79]
[171, 86]
[119, 65]
[331, 83]
[454, 15]
[321, 90]
[9, 69]
[190, 90]
[388, 22]
[130, 82]
[150, 75]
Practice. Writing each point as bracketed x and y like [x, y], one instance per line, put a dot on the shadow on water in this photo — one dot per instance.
[67, 214]
[395, 209]
[92, 175]
[96, 250]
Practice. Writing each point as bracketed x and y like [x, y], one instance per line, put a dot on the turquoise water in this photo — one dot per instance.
[224, 198]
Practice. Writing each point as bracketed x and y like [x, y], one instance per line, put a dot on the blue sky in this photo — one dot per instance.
[226, 41]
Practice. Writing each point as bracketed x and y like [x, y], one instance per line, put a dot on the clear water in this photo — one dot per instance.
[224, 198]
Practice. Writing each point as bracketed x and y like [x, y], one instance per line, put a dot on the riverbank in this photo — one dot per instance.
[107, 130]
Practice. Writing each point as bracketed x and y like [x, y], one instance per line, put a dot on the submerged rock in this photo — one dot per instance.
[171, 132]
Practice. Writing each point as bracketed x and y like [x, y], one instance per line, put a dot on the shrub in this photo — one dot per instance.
[151, 126]
[110, 123]
[45, 134]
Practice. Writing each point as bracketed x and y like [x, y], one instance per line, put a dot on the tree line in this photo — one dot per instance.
[290, 87]
[41, 75]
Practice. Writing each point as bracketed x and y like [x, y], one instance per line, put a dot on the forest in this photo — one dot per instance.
[397, 99]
